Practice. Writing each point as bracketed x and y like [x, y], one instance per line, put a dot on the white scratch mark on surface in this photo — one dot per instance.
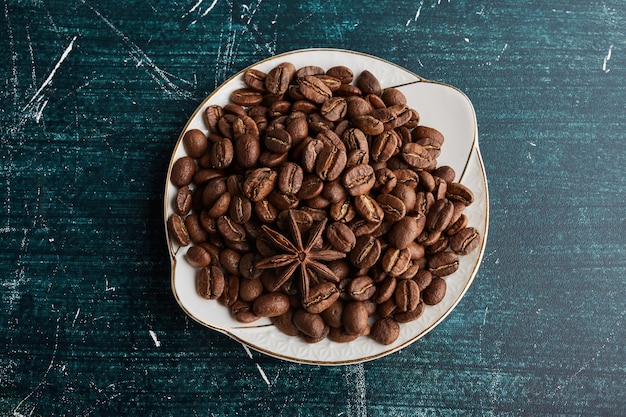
[108, 288]
[161, 77]
[606, 59]
[480, 333]
[417, 13]
[48, 80]
[154, 338]
[357, 403]
[75, 317]
[261, 371]
[16, 413]
[207, 11]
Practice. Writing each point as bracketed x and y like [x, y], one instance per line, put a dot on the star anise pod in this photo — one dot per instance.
[296, 255]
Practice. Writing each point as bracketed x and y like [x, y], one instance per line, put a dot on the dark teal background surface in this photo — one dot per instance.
[93, 98]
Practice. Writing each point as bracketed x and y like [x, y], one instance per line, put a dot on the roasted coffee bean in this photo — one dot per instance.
[366, 252]
[231, 230]
[457, 226]
[416, 156]
[355, 139]
[332, 315]
[240, 209]
[330, 138]
[208, 223]
[229, 259]
[198, 257]
[246, 97]
[368, 208]
[385, 330]
[392, 206]
[247, 266]
[182, 202]
[303, 220]
[272, 159]
[465, 241]
[405, 231]
[278, 140]
[278, 79]
[212, 114]
[309, 70]
[290, 178]
[271, 304]
[423, 278]
[259, 183]
[342, 211]
[247, 150]
[407, 177]
[435, 292]
[410, 271]
[359, 179]
[220, 206]
[195, 143]
[265, 211]
[439, 215]
[407, 295]
[334, 191]
[357, 106]
[214, 190]
[320, 297]
[395, 261]
[312, 186]
[330, 163]
[416, 250]
[341, 237]
[392, 96]
[439, 192]
[385, 180]
[408, 316]
[284, 323]
[459, 192]
[340, 335]
[197, 234]
[342, 73]
[361, 288]
[222, 154]
[443, 263]
[255, 79]
[423, 132]
[242, 312]
[355, 318]
[334, 108]
[368, 83]
[314, 89]
[210, 282]
[231, 290]
[205, 175]
[298, 129]
[183, 171]
[384, 145]
[375, 101]
[310, 153]
[406, 194]
[283, 201]
[369, 125]
[311, 324]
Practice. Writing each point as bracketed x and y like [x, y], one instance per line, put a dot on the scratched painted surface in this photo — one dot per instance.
[94, 95]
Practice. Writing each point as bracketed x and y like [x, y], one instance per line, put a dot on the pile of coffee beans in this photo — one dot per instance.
[315, 148]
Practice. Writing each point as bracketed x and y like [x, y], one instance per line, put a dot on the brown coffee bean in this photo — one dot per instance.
[231, 290]
[240, 209]
[283, 201]
[310, 153]
[220, 206]
[210, 282]
[182, 202]
[271, 304]
[384, 145]
[320, 297]
[246, 97]
[278, 140]
[340, 335]
[359, 179]
[332, 315]
[222, 154]
[406, 194]
[309, 70]
[405, 231]
[312, 186]
[443, 263]
[284, 323]
[272, 159]
[369, 125]
[183, 171]
[255, 79]
[198, 257]
[334, 108]
[330, 163]
[368, 208]
[385, 330]
[197, 234]
[314, 89]
[408, 316]
[290, 178]
[195, 143]
[341, 237]
[422, 132]
[459, 192]
[355, 139]
[392, 206]
[231, 230]
[407, 295]
[392, 96]
[385, 180]
[385, 290]
[342, 211]
[407, 177]
[212, 114]
[355, 318]
[465, 241]
[439, 215]
[334, 191]
[247, 150]
[416, 156]
[435, 292]
[368, 83]
[342, 73]
[395, 261]
[278, 79]
[311, 324]
[229, 259]
[259, 183]
[265, 211]
[242, 312]
[457, 226]
[361, 288]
